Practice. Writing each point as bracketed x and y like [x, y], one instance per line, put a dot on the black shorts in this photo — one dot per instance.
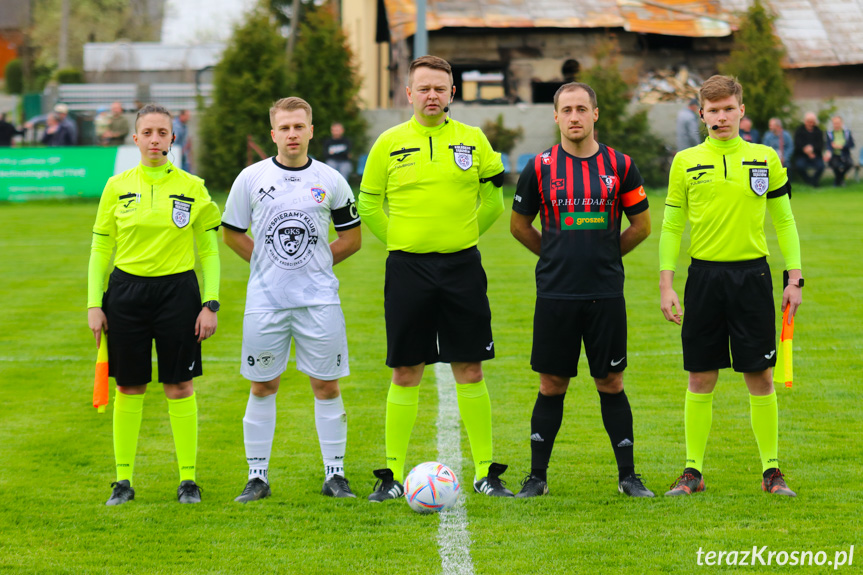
[559, 325]
[729, 301]
[436, 308]
[141, 309]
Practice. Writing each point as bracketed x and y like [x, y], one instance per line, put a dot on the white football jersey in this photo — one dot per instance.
[288, 211]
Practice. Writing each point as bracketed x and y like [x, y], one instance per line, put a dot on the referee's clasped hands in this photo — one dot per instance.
[205, 325]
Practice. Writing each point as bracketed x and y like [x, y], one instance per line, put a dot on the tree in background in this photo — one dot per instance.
[322, 73]
[89, 21]
[627, 132]
[501, 138]
[254, 72]
[250, 77]
[756, 60]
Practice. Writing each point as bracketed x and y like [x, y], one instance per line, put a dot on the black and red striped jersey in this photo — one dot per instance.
[580, 202]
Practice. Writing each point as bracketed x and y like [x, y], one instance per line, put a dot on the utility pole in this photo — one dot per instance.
[421, 36]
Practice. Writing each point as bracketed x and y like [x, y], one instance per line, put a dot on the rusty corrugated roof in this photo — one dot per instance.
[673, 17]
[820, 32]
[814, 32]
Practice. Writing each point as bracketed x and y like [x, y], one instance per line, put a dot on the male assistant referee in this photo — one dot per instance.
[723, 187]
[431, 170]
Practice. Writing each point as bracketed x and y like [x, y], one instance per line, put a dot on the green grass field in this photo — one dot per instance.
[57, 460]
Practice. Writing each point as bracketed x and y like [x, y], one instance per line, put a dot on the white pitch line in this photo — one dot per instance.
[73, 358]
[453, 537]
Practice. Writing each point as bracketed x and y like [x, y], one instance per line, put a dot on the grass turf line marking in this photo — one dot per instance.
[453, 537]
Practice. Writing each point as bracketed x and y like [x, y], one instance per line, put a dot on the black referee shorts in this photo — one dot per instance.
[729, 301]
[436, 308]
[141, 309]
[560, 325]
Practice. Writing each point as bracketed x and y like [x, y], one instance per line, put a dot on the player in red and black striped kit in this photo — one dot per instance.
[581, 190]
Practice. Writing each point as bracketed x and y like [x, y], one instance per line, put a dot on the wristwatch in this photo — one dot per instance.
[212, 305]
[798, 284]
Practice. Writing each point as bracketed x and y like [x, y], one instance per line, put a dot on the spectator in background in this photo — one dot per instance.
[838, 155]
[337, 150]
[808, 149]
[688, 134]
[780, 140]
[101, 122]
[118, 127]
[61, 112]
[56, 132]
[183, 141]
[7, 131]
[747, 132]
[69, 133]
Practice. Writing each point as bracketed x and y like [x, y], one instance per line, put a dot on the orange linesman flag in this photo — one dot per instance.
[100, 383]
[787, 359]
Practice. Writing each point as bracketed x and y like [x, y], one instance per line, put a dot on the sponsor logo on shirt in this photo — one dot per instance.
[290, 238]
[582, 202]
[584, 220]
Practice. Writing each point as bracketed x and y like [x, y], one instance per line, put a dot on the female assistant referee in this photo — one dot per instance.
[154, 214]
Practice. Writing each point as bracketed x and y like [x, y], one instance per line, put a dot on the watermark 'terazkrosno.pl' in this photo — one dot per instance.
[763, 556]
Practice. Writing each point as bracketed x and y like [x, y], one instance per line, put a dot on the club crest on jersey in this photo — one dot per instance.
[290, 239]
[319, 194]
[463, 155]
[609, 181]
[759, 180]
[181, 214]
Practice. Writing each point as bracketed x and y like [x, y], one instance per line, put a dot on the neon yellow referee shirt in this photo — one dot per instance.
[430, 177]
[724, 189]
[153, 216]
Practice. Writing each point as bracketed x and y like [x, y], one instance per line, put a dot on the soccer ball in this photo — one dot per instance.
[431, 487]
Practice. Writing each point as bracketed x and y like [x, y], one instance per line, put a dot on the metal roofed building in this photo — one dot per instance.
[530, 41]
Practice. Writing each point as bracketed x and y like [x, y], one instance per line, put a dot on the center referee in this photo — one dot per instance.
[431, 170]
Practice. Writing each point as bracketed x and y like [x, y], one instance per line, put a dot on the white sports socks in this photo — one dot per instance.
[259, 426]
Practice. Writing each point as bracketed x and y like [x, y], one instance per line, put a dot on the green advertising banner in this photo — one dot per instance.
[38, 173]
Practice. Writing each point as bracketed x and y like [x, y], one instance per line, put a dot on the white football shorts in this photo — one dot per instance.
[319, 334]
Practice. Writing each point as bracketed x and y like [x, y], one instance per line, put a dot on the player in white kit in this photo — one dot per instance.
[287, 202]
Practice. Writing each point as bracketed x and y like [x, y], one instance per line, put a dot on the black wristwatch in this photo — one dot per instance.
[798, 284]
[212, 305]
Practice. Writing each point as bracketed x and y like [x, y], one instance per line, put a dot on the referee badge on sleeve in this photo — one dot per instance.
[463, 155]
[181, 214]
[759, 180]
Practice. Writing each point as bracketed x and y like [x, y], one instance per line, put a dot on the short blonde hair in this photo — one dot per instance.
[718, 87]
[289, 105]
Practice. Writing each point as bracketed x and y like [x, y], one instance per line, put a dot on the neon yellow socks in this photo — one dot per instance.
[402, 407]
[697, 418]
[128, 410]
[184, 424]
[764, 414]
[475, 408]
